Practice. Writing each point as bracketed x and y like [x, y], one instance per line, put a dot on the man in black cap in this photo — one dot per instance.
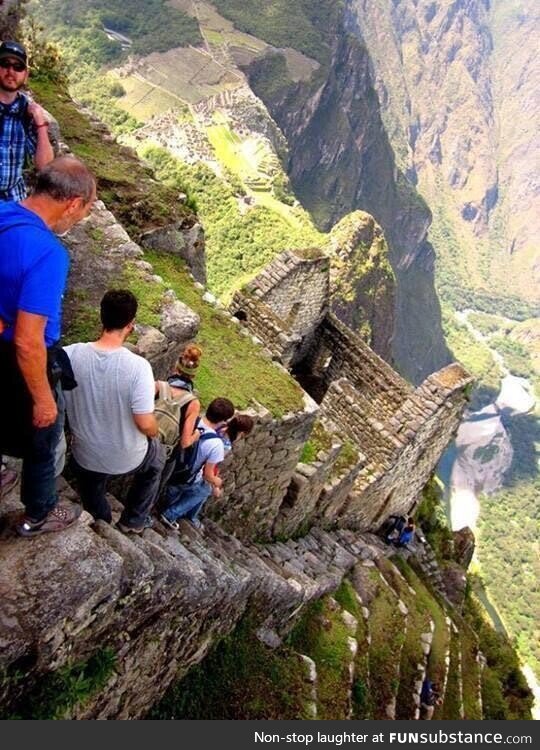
[23, 124]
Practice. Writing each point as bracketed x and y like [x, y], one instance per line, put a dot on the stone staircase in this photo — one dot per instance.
[161, 601]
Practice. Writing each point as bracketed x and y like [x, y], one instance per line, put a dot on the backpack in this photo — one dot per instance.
[187, 464]
[170, 415]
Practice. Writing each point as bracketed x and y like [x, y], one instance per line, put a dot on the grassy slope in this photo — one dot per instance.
[232, 365]
[386, 624]
[240, 679]
[418, 623]
[322, 635]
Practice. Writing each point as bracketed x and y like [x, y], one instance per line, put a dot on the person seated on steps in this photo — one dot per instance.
[406, 536]
[177, 408]
[111, 416]
[393, 528]
[194, 479]
[429, 698]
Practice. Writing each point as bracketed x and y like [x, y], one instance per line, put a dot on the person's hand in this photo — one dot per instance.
[38, 114]
[218, 482]
[217, 492]
[44, 413]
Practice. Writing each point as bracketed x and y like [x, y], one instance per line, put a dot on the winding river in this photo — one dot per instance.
[481, 455]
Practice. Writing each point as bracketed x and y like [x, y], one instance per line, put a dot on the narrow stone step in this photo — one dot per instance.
[416, 645]
[388, 616]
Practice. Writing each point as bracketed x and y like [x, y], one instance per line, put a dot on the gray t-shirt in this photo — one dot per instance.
[112, 386]
[210, 451]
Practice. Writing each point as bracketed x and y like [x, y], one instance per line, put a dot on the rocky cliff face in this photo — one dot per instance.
[456, 80]
[341, 159]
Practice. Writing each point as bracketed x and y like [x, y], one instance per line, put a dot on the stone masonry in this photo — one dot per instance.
[399, 432]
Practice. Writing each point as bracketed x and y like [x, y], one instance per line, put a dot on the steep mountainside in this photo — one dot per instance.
[224, 124]
[457, 83]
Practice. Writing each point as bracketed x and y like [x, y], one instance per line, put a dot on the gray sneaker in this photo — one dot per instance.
[61, 517]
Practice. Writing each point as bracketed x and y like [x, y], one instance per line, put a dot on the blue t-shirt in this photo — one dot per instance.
[33, 270]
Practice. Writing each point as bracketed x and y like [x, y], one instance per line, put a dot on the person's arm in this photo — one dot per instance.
[210, 476]
[44, 151]
[189, 434]
[29, 340]
[147, 424]
[142, 399]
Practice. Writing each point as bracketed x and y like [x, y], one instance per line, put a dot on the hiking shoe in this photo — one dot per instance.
[195, 522]
[171, 524]
[61, 517]
[125, 529]
[8, 480]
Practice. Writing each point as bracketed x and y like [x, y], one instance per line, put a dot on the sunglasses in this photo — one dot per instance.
[18, 67]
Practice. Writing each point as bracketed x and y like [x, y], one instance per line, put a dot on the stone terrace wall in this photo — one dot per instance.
[293, 290]
[304, 491]
[266, 327]
[258, 471]
[382, 388]
[422, 430]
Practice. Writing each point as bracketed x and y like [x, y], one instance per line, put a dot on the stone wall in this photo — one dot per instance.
[339, 353]
[302, 498]
[258, 471]
[158, 603]
[294, 295]
[422, 430]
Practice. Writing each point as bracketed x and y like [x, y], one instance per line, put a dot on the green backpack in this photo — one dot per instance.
[170, 415]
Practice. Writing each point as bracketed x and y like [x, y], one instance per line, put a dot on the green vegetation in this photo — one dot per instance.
[465, 298]
[151, 25]
[241, 678]
[418, 622]
[475, 357]
[302, 24]
[57, 694]
[387, 628]
[451, 707]
[237, 244]
[322, 635]
[347, 458]
[441, 635]
[232, 364]
[432, 518]
[360, 692]
[505, 694]
[319, 440]
[508, 554]
[487, 324]
[124, 183]
[516, 356]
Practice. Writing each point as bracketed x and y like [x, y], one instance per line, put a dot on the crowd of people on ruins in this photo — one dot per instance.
[119, 419]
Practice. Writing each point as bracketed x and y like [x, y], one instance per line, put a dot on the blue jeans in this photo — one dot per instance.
[38, 485]
[186, 500]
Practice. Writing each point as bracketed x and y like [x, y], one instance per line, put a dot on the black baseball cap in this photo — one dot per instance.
[10, 48]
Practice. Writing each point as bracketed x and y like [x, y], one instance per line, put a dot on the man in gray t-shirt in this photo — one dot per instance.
[111, 417]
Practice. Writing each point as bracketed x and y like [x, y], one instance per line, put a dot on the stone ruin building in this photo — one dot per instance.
[399, 432]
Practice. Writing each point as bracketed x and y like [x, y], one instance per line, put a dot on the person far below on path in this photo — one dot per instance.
[111, 417]
[34, 371]
[194, 478]
[23, 124]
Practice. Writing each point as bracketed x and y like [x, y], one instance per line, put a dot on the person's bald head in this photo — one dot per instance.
[65, 178]
[64, 193]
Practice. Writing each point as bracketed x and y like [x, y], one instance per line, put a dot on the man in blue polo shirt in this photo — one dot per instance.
[33, 272]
